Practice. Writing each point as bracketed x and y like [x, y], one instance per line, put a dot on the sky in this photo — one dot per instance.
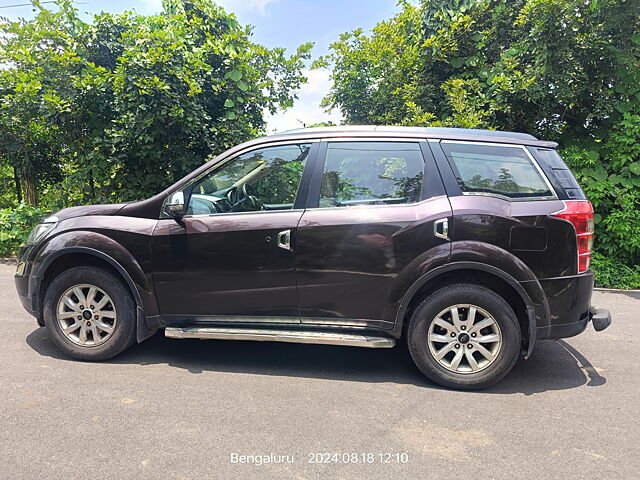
[276, 23]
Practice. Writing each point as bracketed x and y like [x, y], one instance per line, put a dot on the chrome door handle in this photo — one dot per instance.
[441, 228]
[284, 239]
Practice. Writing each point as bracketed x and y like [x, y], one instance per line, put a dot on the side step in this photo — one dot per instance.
[290, 336]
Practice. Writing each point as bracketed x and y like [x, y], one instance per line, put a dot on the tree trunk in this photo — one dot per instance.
[16, 179]
[30, 191]
[92, 187]
[29, 188]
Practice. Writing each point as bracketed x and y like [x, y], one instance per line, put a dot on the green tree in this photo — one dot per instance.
[563, 70]
[120, 107]
[553, 68]
[375, 78]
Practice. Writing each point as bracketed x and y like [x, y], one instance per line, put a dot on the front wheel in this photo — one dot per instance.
[464, 336]
[89, 313]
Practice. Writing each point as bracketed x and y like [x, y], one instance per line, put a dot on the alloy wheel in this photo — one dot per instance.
[86, 315]
[464, 338]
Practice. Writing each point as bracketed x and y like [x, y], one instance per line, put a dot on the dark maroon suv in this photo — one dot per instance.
[470, 244]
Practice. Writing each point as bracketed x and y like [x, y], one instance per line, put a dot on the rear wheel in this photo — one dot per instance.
[89, 313]
[464, 336]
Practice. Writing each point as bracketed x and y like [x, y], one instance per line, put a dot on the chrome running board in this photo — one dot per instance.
[290, 336]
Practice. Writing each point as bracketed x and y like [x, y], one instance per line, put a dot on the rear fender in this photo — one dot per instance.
[495, 261]
[509, 266]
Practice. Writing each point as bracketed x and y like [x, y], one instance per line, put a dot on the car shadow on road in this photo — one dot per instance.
[553, 365]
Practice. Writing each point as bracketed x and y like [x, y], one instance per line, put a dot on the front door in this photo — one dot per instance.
[231, 260]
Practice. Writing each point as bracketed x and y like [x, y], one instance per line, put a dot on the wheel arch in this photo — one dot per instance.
[487, 275]
[59, 260]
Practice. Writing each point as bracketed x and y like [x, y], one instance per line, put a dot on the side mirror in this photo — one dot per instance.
[174, 205]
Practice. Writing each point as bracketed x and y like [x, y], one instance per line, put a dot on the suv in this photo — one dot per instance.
[470, 245]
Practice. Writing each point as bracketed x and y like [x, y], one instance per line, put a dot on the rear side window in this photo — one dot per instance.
[496, 169]
[360, 173]
[563, 176]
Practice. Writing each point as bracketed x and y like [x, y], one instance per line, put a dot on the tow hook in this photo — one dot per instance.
[600, 318]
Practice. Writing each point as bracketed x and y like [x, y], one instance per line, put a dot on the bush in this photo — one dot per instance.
[609, 173]
[611, 273]
[15, 225]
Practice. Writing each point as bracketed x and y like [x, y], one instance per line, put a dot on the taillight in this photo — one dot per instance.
[580, 214]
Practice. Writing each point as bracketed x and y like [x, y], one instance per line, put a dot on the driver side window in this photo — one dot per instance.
[263, 179]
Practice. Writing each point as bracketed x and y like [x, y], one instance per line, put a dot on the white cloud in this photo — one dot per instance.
[306, 109]
[235, 6]
[152, 6]
[5, 36]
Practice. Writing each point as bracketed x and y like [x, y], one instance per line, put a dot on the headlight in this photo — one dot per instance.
[40, 230]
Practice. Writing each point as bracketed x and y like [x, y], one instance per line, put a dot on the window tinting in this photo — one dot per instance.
[357, 173]
[501, 170]
[263, 179]
[563, 176]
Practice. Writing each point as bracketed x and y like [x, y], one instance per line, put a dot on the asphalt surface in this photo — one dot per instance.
[188, 409]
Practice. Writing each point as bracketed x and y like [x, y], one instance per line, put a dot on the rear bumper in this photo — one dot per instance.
[569, 301]
[600, 318]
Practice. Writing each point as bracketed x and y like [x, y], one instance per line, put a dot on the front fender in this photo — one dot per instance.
[106, 249]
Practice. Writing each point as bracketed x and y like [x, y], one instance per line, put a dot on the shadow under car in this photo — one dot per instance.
[553, 365]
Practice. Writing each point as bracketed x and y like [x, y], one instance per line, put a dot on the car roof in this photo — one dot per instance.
[440, 133]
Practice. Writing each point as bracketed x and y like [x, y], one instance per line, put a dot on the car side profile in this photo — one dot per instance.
[470, 245]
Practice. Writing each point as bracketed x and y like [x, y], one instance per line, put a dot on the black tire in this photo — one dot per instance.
[425, 314]
[124, 333]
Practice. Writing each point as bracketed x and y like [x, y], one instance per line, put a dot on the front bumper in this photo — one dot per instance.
[26, 284]
[22, 287]
[28, 300]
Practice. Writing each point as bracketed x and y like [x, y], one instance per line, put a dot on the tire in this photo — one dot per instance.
[490, 361]
[105, 337]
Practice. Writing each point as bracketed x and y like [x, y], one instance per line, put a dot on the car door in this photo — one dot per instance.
[373, 209]
[230, 259]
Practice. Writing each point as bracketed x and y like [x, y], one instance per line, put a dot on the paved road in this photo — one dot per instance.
[181, 409]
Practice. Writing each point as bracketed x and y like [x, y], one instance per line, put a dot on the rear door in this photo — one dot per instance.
[371, 211]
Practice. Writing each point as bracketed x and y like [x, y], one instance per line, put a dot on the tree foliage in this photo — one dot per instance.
[120, 107]
[15, 225]
[563, 70]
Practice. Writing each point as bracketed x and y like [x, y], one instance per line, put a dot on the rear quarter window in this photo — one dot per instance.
[560, 175]
[496, 169]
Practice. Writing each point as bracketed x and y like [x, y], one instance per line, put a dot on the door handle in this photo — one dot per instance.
[441, 228]
[284, 239]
